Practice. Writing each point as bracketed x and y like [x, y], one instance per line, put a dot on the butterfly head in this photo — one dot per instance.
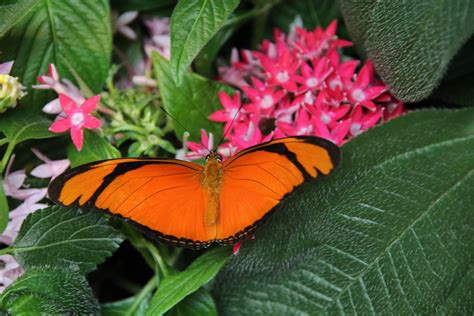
[213, 155]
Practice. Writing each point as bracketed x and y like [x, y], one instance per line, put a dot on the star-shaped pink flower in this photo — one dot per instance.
[230, 112]
[200, 150]
[77, 118]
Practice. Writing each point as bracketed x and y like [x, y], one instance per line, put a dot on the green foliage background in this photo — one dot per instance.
[391, 232]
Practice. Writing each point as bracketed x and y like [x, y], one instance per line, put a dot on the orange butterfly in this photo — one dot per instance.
[189, 205]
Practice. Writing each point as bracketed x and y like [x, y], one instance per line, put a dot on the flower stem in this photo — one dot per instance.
[6, 251]
[6, 156]
[148, 288]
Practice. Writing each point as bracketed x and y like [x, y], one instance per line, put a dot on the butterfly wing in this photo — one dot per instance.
[163, 197]
[257, 179]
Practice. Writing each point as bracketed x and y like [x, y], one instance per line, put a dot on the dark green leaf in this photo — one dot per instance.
[313, 13]
[193, 24]
[192, 102]
[12, 12]
[61, 236]
[50, 291]
[142, 5]
[3, 208]
[459, 301]
[123, 307]
[95, 148]
[199, 303]
[74, 35]
[456, 87]
[21, 124]
[174, 288]
[410, 42]
[390, 232]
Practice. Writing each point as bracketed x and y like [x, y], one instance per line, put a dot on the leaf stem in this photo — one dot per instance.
[148, 288]
[3, 141]
[6, 156]
[163, 267]
[6, 251]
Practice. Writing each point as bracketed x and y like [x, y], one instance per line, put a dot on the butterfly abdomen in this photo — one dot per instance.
[211, 180]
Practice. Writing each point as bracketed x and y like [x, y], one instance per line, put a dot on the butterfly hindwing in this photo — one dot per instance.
[257, 179]
[163, 197]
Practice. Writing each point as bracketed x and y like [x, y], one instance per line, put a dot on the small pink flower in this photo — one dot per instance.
[301, 126]
[50, 168]
[337, 135]
[13, 183]
[247, 135]
[201, 150]
[360, 92]
[230, 112]
[77, 118]
[313, 79]
[393, 109]
[329, 115]
[361, 121]
[10, 270]
[263, 97]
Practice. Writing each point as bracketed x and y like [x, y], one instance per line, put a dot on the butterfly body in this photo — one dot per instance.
[186, 204]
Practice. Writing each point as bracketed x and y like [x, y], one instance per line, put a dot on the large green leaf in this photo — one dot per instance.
[390, 232]
[174, 288]
[74, 35]
[192, 102]
[125, 307]
[193, 24]
[50, 291]
[410, 42]
[95, 148]
[61, 236]
[12, 12]
[21, 124]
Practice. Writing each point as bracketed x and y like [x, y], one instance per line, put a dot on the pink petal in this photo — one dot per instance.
[225, 99]
[67, 104]
[53, 107]
[61, 125]
[89, 105]
[6, 68]
[42, 171]
[53, 72]
[219, 116]
[365, 75]
[77, 137]
[91, 122]
[373, 92]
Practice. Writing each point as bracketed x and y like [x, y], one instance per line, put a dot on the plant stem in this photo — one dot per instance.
[164, 269]
[6, 251]
[148, 288]
[6, 156]
[3, 141]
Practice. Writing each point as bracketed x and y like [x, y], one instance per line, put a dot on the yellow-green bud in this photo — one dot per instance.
[11, 91]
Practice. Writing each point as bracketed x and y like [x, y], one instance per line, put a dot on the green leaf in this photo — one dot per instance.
[3, 207]
[390, 232]
[21, 124]
[13, 12]
[410, 42]
[313, 13]
[50, 290]
[193, 23]
[60, 236]
[74, 35]
[95, 148]
[192, 102]
[174, 288]
[199, 303]
[456, 87]
[122, 307]
[459, 301]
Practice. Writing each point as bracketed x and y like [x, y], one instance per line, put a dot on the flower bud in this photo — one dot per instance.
[11, 90]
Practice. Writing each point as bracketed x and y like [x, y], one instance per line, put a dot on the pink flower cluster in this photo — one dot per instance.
[299, 85]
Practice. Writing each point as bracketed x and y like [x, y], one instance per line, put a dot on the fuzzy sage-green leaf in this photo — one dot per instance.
[410, 42]
[59, 236]
[48, 290]
[390, 232]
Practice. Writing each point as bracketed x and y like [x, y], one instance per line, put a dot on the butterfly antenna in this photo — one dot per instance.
[230, 126]
[176, 120]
